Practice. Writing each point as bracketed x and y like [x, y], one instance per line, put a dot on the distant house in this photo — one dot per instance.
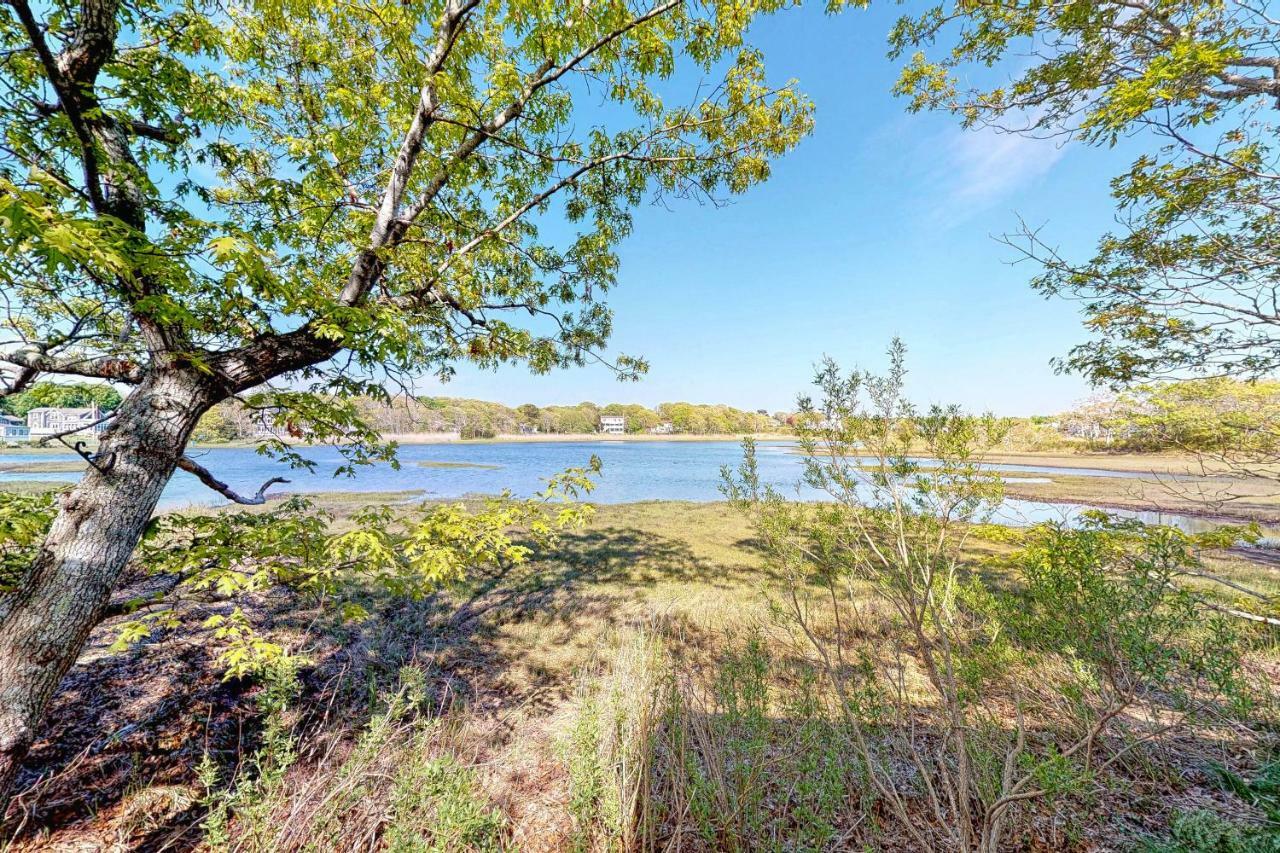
[664, 428]
[265, 426]
[14, 429]
[52, 420]
[613, 424]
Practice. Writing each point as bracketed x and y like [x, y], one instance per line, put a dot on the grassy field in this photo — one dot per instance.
[468, 712]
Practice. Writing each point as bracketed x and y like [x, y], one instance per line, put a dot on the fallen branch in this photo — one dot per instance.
[204, 475]
[1241, 614]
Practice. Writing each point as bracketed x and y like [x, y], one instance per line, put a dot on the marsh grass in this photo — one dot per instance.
[527, 732]
[31, 487]
[43, 466]
[399, 783]
[659, 757]
[752, 752]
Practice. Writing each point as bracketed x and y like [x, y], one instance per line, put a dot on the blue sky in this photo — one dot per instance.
[880, 224]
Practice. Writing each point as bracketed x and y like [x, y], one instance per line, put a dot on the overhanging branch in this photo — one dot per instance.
[111, 369]
[204, 475]
[68, 98]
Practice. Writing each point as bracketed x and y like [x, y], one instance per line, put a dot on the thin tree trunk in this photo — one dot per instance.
[46, 620]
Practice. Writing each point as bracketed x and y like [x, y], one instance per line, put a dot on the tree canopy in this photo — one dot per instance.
[481, 418]
[1188, 284]
[198, 199]
[254, 189]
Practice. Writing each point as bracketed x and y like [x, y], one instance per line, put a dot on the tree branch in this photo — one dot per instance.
[18, 382]
[134, 126]
[271, 355]
[67, 95]
[368, 265]
[544, 76]
[112, 369]
[204, 475]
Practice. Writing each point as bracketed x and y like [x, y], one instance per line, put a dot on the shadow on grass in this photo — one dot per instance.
[143, 719]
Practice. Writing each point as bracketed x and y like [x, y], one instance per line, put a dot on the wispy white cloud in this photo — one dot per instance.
[986, 166]
[972, 171]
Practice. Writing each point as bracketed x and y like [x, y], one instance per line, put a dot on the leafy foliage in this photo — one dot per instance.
[1189, 285]
[23, 522]
[283, 153]
[70, 395]
[228, 557]
[1102, 615]
[1111, 596]
[1206, 832]
[1212, 416]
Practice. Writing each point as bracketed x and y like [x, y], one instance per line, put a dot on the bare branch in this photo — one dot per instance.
[204, 475]
[134, 126]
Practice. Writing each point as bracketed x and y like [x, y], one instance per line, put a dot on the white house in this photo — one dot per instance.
[265, 426]
[613, 424]
[49, 420]
[14, 429]
[664, 428]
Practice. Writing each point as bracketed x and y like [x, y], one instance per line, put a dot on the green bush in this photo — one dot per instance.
[1205, 832]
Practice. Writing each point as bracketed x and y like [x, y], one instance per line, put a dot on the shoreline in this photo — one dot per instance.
[1265, 519]
[1262, 519]
[1128, 462]
[414, 439]
[1066, 489]
[427, 438]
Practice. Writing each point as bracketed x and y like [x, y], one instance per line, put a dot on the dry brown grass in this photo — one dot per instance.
[117, 765]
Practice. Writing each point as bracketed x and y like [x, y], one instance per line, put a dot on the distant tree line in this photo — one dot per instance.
[78, 395]
[1194, 416]
[484, 419]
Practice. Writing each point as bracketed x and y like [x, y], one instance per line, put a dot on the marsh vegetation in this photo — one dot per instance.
[264, 222]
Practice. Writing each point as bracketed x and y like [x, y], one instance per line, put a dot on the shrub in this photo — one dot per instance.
[994, 697]
[719, 760]
[398, 783]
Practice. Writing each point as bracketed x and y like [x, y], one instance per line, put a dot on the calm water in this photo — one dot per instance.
[633, 471]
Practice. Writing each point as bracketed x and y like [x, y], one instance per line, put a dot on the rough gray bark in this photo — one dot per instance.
[45, 621]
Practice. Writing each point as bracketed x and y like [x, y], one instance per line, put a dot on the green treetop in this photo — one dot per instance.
[1188, 284]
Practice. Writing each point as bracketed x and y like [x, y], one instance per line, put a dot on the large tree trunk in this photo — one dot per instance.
[46, 620]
